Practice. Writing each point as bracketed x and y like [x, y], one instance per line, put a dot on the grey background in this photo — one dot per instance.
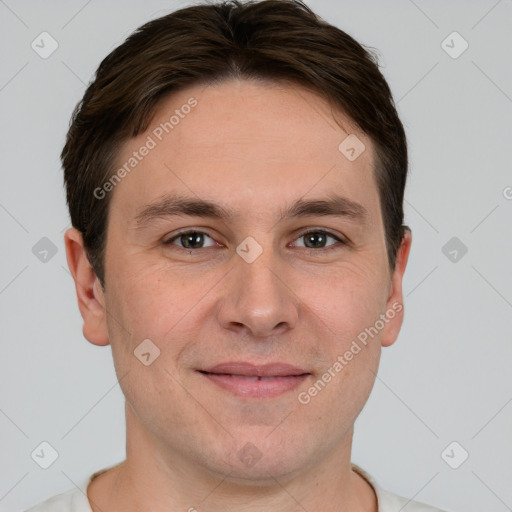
[448, 376]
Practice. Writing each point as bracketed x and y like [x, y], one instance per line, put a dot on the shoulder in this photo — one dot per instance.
[391, 502]
[73, 500]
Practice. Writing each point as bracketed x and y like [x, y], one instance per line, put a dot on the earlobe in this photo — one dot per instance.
[91, 300]
[394, 306]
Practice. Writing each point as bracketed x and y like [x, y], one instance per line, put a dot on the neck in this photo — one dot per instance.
[152, 478]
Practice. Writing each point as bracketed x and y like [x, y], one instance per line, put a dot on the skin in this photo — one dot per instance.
[256, 148]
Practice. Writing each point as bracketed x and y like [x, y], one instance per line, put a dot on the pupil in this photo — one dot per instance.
[191, 240]
[315, 237]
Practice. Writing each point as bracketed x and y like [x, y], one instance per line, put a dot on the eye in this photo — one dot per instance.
[316, 239]
[313, 240]
[190, 240]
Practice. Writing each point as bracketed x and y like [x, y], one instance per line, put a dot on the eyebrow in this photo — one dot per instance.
[177, 205]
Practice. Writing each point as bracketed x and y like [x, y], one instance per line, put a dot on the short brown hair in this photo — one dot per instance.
[277, 40]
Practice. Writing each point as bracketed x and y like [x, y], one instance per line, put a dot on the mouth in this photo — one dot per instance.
[250, 378]
[252, 381]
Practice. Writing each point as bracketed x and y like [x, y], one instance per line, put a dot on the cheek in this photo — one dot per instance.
[350, 346]
[348, 299]
[153, 301]
[146, 317]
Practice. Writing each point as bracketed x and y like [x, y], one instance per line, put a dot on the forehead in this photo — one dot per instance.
[241, 142]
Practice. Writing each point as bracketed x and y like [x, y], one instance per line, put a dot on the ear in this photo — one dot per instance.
[91, 300]
[395, 304]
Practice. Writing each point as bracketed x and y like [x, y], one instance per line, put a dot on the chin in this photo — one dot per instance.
[260, 459]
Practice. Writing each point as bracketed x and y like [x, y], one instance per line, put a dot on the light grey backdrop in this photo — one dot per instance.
[447, 379]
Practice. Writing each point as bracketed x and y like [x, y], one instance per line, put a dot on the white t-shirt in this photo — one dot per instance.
[75, 500]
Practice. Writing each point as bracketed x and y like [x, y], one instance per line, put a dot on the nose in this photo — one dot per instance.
[258, 298]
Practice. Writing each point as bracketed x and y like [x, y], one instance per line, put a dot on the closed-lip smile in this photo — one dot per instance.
[255, 381]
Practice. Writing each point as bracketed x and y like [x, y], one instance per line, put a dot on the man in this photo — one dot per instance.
[235, 178]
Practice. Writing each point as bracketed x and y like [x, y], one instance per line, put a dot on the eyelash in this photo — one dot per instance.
[306, 249]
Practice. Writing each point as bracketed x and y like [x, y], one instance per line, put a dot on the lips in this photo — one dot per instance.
[266, 371]
[255, 381]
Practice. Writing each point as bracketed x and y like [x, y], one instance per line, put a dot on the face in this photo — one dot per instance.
[267, 273]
